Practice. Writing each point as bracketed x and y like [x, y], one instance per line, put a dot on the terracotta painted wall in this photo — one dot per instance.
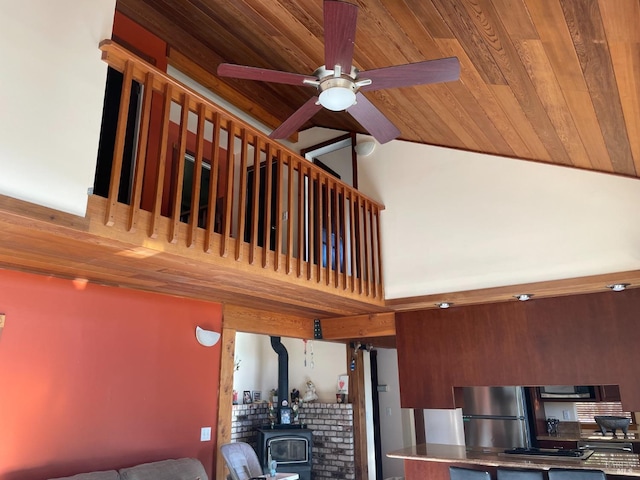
[95, 377]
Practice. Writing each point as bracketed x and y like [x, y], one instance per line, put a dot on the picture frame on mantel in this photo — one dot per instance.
[257, 396]
[246, 397]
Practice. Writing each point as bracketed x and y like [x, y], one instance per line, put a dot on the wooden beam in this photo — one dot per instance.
[359, 326]
[225, 396]
[357, 398]
[552, 288]
[250, 320]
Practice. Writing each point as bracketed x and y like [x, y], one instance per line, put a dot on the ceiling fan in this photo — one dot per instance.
[340, 85]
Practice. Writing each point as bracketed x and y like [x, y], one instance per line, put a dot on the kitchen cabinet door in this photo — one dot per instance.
[608, 393]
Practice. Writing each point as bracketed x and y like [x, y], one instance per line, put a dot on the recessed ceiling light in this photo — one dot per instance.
[443, 304]
[618, 287]
[523, 297]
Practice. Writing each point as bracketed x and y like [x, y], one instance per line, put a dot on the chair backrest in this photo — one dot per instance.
[575, 474]
[242, 460]
[514, 474]
[458, 473]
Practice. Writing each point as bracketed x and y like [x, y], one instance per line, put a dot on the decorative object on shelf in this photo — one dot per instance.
[246, 397]
[273, 396]
[235, 397]
[295, 396]
[208, 338]
[295, 411]
[343, 388]
[552, 426]
[613, 423]
[257, 396]
[310, 394]
[285, 415]
[272, 414]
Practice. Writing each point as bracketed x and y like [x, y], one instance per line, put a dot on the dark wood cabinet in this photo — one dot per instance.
[566, 444]
[608, 393]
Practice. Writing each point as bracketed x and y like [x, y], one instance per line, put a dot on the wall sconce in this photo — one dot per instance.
[208, 338]
[618, 287]
[366, 148]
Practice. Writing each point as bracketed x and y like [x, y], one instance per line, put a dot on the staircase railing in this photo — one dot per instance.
[229, 190]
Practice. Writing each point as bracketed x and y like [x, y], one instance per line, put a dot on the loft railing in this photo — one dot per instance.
[226, 188]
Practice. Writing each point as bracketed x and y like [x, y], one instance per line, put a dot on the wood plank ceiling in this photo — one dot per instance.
[554, 81]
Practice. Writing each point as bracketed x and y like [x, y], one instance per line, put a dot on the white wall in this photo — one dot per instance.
[51, 91]
[259, 365]
[455, 220]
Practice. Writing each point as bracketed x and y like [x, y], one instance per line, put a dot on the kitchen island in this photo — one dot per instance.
[432, 461]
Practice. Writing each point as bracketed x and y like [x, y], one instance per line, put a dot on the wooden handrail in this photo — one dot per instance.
[267, 207]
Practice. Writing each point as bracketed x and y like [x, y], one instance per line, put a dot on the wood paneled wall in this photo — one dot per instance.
[590, 339]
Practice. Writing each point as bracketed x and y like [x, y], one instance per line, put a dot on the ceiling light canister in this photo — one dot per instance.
[443, 304]
[618, 287]
[523, 297]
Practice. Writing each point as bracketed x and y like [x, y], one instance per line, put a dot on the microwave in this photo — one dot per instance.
[568, 392]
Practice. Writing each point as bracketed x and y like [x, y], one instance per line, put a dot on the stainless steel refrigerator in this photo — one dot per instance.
[495, 417]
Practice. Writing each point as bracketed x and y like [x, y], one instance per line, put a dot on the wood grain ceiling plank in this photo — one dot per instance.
[554, 33]
[467, 114]
[430, 18]
[621, 19]
[544, 80]
[490, 105]
[486, 22]
[473, 39]
[516, 19]
[586, 28]
[512, 108]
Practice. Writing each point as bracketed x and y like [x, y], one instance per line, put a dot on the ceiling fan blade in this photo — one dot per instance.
[291, 124]
[410, 74]
[339, 33]
[262, 74]
[372, 119]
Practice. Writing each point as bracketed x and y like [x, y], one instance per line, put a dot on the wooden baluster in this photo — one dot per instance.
[213, 183]
[278, 220]
[162, 161]
[355, 269]
[242, 202]
[379, 255]
[141, 154]
[301, 217]
[343, 236]
[118, 149]
[311, 244]
[373, 254]
[197, 176]
[326, 210]
[290, 211]
[367, 253]
[255, 214]
[359, 238]
[228, 194]
[266, 244]
[320, 228]
[178, 177]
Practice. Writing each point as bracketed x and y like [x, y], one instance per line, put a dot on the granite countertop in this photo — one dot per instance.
[612, 463]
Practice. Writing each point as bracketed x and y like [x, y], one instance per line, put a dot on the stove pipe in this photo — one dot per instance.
[283, 369]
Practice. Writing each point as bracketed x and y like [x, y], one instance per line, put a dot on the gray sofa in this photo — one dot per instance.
[180, 469]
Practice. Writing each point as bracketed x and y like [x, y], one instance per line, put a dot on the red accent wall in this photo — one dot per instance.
[95, 377]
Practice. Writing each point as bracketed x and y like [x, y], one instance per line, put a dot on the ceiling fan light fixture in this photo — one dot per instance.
[337, 94]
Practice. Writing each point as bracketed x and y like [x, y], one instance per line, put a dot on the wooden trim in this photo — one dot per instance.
[357, 399]
[359, 326]
[251, 320]
[551, 288]
[225, 394]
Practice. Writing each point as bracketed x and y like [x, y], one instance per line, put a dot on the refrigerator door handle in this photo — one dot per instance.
[492, 417]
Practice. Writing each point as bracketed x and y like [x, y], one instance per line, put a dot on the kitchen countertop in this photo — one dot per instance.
[612, 463]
